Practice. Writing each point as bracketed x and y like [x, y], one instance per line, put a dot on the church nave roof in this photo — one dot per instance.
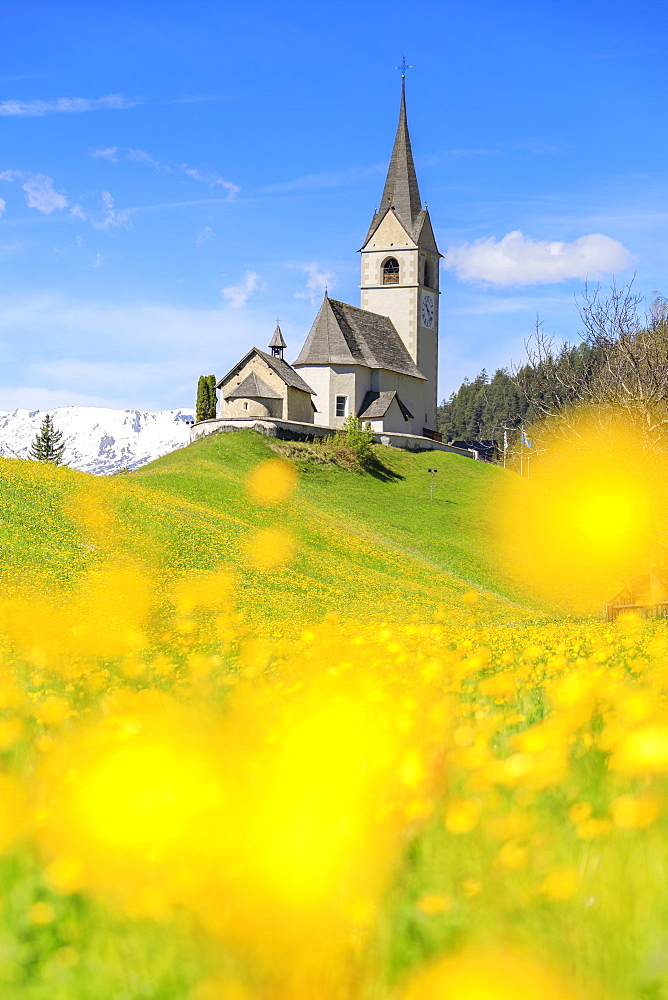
[345, 335]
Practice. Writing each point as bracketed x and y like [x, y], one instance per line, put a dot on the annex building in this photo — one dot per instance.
[377, 361]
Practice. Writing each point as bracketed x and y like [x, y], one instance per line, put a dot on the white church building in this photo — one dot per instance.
[378, 361]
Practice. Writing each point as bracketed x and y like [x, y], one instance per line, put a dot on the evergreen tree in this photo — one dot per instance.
[212, 396]
[202, 398]
[47, 446]
[205, 407]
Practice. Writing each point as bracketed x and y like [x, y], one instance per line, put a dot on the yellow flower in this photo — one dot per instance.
[270, 547]
[462, 815]
[631, 812]
[512, 855]
[42, 913]
[487, 974]
[433, 903]
[272, 481]
[644, 751]
[561, 883]
[53, 711]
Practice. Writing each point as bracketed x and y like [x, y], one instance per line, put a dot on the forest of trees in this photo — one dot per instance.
[480, 410]
[619, 368]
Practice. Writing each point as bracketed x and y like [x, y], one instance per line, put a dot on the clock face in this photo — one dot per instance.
[427, 311]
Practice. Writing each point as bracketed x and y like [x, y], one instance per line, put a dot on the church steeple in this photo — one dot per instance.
[401, 191]
[400, 266]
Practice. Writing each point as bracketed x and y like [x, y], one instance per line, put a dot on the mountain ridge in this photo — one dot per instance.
[98, 439]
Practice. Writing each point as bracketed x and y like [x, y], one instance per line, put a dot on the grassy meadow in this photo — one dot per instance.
[276, 730]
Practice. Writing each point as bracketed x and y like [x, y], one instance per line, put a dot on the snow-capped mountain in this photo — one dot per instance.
[99, 440]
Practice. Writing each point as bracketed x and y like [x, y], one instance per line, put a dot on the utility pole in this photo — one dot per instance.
[431, 486]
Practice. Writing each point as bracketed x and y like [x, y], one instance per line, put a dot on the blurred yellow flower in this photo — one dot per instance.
[42, 913]
[644, 751]
[272, 481]
[632, 812]
[560, 883]
[488, 974]
[462, 815]
[270, 547]
[433, 903]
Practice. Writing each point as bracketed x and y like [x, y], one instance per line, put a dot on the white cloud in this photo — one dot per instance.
[318, 282]
[114, 154]
[3, 205]
[106, 154]
[39, 191]
[205, 234]
[68, 105]
[237, 295]
[210, 179]
[109, 218]
[156, 352]
[519, 260]
[141, 156]
[112, 218]
[40, 194]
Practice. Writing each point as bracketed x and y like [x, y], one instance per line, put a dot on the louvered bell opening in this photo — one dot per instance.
[391, 272]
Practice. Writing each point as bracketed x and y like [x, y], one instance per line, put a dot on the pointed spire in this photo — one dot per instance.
[277, 343]
[401, 190]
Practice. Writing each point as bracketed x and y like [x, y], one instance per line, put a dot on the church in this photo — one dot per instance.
[378, 361]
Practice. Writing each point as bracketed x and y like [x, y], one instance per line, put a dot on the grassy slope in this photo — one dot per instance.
[365, 545]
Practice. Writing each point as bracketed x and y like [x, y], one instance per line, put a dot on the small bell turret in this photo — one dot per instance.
[277, 344]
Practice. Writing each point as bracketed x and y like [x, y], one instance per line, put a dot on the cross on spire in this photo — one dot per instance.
[404, 66]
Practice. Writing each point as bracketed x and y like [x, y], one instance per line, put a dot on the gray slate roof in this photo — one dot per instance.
[401, 193]
[281, 367]
[277, 340]
[345, 335]
[253, 387]
[376, 404]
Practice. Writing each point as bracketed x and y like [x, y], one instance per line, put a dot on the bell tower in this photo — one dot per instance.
[400, 263]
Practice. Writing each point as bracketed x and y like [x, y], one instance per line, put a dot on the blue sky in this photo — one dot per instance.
[175, 177]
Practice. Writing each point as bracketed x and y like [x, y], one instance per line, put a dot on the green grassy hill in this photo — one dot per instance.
[365, 544]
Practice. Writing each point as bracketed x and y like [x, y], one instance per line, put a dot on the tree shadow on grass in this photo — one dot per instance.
[379, 470]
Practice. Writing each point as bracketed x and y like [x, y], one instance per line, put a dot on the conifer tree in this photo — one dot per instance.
[47, 446]
[205, 407]
[202, 393]
[212, 396]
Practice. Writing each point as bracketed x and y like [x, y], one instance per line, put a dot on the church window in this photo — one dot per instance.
[427, 274]
[341, 406]
[391, 271]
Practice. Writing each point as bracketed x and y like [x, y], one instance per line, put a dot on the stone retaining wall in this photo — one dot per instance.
[290, 430]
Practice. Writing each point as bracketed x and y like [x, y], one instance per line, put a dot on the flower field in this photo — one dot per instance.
[261, 739]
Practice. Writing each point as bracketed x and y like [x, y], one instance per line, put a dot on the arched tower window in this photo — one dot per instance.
[391, 271]
[427, 274]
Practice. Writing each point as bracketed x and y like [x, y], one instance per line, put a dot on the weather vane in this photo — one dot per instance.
[404, 66]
